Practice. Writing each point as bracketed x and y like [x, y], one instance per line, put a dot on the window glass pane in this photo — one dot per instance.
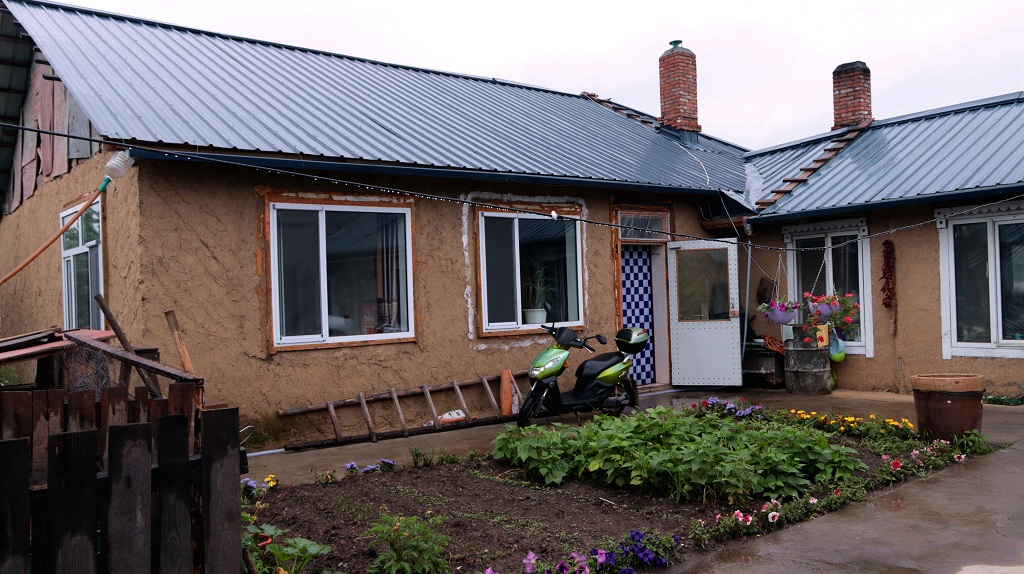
[809, 270]
[846, 276]
[83, 300]
[71, 237]
[298, 273]
[703, 280]
[91, 224]
[653, 221]
[548, 268]
[499, 258]
[970, 262]
[366, 273]
[1011, 279]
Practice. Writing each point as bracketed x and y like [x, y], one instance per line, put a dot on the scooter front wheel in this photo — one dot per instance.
[531, 406]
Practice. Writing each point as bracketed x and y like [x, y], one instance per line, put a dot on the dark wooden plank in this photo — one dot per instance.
[136, 361]
[398, 409]
[141, 405]
[72, 490]
[113, 411]
[175, 530]
[367, 417]
[16, 455]
[60, 125]
[490, 395]
[78, 125]
[16, 414]
[334, 420]
[47, 419]
[82, 410]
[129, 536]
[222, 510]
[181, 401]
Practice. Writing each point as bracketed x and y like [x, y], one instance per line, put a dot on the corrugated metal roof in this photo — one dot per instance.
[973, 146]
[151, 82]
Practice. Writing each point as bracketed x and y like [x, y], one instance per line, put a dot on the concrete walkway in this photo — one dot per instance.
[968, 518]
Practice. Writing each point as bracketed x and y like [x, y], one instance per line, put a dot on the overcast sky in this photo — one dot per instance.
[764, 68]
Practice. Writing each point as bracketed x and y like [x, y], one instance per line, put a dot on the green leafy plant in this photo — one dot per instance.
[269, 553]
[324, 478]
[413, 547]
[8, 376]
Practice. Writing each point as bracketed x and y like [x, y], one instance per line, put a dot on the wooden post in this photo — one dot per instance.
[506, 392]
[72, 491]
[154, 389]
[14, 506]
[16, 414]
[82, 410]
[129, 537]
[334, 421]
[47, 419]
[398, 409]
[174, 553]
[186, 359]
[222, 516]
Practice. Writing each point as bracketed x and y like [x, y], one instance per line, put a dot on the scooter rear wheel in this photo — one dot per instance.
[632, 403]
[531, 407]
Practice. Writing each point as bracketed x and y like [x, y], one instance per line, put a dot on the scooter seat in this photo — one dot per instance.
[591, 368]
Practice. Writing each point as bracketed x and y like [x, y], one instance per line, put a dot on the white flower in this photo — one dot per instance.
[773, 516]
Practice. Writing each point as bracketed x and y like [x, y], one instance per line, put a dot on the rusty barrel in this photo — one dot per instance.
[807, 369]
[947, 405]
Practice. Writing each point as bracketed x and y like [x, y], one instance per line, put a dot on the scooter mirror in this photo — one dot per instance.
[602, 339]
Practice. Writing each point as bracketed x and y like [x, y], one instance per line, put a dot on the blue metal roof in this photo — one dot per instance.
[976, 148]
[149, 82]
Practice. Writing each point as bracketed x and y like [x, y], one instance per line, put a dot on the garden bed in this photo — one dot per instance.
[495, 513]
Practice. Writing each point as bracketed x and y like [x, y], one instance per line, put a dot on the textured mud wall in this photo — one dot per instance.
[907, 341]
[206, 258]
[32, 300]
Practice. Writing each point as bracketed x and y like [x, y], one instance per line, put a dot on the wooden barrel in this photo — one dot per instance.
[807, 369]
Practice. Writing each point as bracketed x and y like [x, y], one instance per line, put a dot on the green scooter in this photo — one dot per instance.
[602, 383]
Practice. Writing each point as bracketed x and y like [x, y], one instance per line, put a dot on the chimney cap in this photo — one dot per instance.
[850, 66]
[677, 48]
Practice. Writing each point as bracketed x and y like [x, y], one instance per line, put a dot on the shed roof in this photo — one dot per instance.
[157, 83]
[974, 148]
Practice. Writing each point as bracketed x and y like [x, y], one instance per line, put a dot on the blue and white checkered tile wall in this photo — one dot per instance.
[636, 305]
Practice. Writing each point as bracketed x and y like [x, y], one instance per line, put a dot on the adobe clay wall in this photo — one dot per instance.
[206, 258]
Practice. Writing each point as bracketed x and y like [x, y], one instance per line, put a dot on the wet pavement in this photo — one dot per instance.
[967, 518]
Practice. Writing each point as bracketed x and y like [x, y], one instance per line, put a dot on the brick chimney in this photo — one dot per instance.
[851, 94]
[677, 69]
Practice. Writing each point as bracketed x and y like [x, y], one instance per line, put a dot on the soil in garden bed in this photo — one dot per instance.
[495, 516]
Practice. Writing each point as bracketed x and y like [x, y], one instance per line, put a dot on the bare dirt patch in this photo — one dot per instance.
[494, 515]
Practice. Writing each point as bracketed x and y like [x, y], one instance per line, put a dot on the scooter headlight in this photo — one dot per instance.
[536, 371]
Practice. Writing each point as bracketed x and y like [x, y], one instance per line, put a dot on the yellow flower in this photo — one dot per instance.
[872, 416]
[280, 571]
[814, 413]
[792, 410]
[841, 429]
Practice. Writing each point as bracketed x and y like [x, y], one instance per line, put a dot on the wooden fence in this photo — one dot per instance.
[113, 485]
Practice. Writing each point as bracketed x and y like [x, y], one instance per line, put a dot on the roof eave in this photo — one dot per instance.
[938, 197]
[288, 164]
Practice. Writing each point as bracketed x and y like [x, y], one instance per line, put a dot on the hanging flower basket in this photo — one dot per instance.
[779, 311]
[779, 316]
[823, 309]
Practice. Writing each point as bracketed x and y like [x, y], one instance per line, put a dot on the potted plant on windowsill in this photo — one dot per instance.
[537, 294]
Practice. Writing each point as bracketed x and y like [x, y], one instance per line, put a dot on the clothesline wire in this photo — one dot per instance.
[553, 214]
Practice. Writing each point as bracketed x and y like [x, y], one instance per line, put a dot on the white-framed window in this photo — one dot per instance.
[834, 258]
[982, 277]
[340, 273]
[81, 267]
[526, 261]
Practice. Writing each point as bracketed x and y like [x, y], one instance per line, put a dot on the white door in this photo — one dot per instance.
[704, 318]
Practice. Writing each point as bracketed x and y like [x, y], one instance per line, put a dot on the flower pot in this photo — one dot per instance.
[824, 309]
[948, 405]
[534, 316]
[779, 316]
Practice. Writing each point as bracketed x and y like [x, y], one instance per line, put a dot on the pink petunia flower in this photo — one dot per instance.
[885, 457]
[773, 517]
[747, 520]
[807, 339]
[530, 563]
[836, 492]
[959, 457]
[738, 515]
[812, 500]
[896, 464]
[602, 556]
